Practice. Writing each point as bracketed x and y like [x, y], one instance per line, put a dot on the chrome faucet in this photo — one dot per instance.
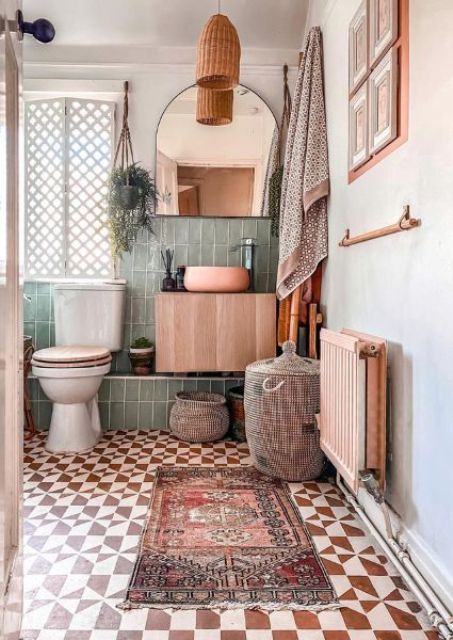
[247, 247]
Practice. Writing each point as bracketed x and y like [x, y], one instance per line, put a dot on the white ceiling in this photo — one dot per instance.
[262, 24]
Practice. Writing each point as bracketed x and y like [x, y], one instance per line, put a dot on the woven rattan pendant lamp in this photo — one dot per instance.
[219, 54]
[214, 108]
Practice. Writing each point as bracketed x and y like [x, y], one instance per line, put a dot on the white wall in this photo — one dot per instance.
[400, 287]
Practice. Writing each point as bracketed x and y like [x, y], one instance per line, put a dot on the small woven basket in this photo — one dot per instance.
[199, 416]
[235, 397]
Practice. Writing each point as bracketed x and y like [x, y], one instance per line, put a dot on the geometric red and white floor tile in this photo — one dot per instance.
[84, 515]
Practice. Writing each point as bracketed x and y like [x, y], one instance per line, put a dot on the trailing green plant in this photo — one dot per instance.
[275, 194]
[276, 179]
[132, 201]
[142, 343]
[132, 193]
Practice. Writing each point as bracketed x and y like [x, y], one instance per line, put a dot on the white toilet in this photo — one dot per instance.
[88, 327]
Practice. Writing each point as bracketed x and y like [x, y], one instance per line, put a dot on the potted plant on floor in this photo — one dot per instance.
[141, 354]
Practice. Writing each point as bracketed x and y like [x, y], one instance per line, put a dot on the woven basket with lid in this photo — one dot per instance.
[280, 402]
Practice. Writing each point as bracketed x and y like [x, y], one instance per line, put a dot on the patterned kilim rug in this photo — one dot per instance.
[226, 538]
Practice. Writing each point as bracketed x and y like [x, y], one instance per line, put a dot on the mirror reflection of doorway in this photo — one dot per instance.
[241, 152]
[188, 199]
[220, 191]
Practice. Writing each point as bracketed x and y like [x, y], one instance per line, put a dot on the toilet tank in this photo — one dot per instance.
[90, 314]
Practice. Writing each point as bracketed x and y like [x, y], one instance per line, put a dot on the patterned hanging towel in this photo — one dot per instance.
[303, 213]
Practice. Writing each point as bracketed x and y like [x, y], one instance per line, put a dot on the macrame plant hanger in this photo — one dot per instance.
[132, 193]
[285, 312]
[124, 160]
[275, 182]
[124, 150]
[128, 194]
[286, 115]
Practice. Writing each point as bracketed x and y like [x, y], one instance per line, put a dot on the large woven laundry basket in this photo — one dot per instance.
[280, 403]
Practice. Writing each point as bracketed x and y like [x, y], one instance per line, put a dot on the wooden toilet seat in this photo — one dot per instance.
[71, 356]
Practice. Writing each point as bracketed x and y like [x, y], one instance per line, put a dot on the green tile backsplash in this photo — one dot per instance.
[132, 403]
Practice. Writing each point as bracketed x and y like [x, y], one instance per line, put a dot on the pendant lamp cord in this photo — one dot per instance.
[219, 6]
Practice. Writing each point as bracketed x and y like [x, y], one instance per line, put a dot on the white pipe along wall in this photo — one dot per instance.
[399, 287]
[439, 616]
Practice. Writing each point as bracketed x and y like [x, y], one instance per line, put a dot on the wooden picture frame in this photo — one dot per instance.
[358, 128]
[383, 102]
[383, 27]
[396, 132]
[358, 47]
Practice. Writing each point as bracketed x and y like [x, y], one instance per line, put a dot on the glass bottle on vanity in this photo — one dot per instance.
[168, 283]
[180, 271]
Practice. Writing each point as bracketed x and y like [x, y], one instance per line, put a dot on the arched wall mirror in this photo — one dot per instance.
[214, 171]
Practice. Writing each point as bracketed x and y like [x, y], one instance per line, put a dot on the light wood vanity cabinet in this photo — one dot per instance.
[213, 331]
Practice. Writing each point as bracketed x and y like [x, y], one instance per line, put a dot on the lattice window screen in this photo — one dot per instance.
[67, 232]
[45, 186]
[90, 128]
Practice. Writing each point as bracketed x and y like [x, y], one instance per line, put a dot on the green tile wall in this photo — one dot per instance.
[195, 242]
[146, 403]
[38, 314]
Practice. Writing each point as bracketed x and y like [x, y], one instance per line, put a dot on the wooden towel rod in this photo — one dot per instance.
[405, 223]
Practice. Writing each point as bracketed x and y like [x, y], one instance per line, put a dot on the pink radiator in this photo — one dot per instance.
[352, 420]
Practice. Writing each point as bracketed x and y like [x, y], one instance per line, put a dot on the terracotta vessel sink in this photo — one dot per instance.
[217, 279]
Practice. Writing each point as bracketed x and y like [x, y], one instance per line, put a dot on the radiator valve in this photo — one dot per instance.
[371, 485]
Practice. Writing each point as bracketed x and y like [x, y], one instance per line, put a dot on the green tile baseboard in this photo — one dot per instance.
[133, 402]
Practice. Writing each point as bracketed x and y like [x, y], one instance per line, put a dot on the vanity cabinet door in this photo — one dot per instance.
[185, 332]
[213, 332]
[245, 329]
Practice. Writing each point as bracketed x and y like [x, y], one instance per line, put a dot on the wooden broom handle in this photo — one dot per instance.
[294, 315]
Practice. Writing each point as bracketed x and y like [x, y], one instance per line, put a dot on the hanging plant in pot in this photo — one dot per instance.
[132, 194]
[132, 198]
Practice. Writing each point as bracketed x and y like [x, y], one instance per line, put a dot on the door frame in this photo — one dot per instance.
[11, 422]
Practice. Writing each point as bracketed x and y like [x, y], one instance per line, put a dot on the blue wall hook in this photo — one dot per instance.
[41, 29]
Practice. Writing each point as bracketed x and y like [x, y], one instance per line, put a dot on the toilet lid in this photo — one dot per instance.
[72, 356]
